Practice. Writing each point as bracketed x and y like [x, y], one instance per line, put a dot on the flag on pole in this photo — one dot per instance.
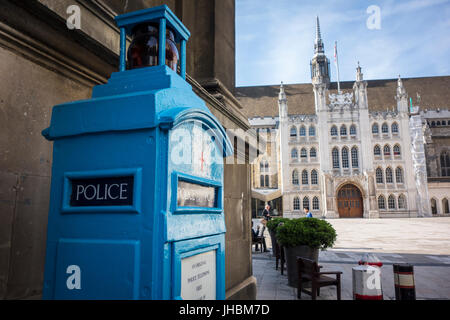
[335, 53]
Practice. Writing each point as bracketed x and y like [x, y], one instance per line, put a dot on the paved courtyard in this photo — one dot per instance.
[423, 242]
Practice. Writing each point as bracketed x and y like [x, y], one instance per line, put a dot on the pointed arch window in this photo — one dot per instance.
[306, 202]
[305, 178]
[355, 158]
[387, 151]
[397, 151]
[401, 202]
[335, 156]
[304, 153]
[293, 132]
[334, 131]
[379, 175]
[385, 128]
[294, 154]
[353, 130]
[313, 153]
[343, 130]
[391, 202]
[381, 203]
[302, 131]
[389, 178]
[315, 203]
[375, 128]
[377, 151]
[433, 206]
[399, 175]
[296, 203]
[295, 178]
[345, 163]
[445, 207]
[312, 131]
[394, 127]
[314, 178]
[445, 164]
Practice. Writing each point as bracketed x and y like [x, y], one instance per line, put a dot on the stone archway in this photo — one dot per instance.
[350, 202]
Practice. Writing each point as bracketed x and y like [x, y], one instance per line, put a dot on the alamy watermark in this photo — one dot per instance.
[74, 20]
[374, 20]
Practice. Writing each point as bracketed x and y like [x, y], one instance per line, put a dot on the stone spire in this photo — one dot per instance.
[401, 97]
[320, 65]
[282, 103]
[359, 74]
[401, 91]
[318, 44]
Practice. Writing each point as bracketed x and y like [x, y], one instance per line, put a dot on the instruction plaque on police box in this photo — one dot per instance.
[198, 277]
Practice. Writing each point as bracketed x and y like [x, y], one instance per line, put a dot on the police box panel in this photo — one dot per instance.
[197, 147]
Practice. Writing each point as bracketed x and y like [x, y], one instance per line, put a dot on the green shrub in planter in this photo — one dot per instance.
[273, 223]
[311, 232]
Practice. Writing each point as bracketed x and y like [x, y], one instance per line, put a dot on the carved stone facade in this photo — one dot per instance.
[348, 161]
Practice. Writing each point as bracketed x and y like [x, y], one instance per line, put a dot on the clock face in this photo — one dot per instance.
[194, 149]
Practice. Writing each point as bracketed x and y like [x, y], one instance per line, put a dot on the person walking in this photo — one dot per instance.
[266, 213]
[307, 212]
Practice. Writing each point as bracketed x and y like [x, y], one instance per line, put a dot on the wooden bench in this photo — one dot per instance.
[309, 271]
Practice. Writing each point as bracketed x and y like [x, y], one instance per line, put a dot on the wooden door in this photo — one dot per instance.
[350, 202]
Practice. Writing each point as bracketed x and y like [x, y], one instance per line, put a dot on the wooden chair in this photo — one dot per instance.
[309, 271]
[258, 240]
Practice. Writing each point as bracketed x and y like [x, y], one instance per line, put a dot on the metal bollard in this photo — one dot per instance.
[405, 288]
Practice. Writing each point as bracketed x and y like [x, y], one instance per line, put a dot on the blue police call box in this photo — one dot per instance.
[136, 208]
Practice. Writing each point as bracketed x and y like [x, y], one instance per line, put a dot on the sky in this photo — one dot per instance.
[275, 39]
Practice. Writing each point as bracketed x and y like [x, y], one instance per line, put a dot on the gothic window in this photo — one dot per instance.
[381, 203]
[315, 203]
[261, 181]
[302, 131]
[387, 151]
[295, 177]
[401, 202]
[397, 151]
[293, 132]
[314, 178]
[379, 175]
[353, 130]
[438, 123]
[294, 154]
[445, 164]
[355, 158]
[304, 153]
[399, 175]
[394, 127]
[334, 131]
[345, 163]
[391, 202]
[377, 151]
[264, 166]
[312, 131]
[445, 207]
[343, 130]
[389, 178]
[305, 202]
[433, 123]
[313, 153]
[267, 181]
[296, 203]
[433, 206]
[385, 128]
[444, 123]
[305, 180]
[335, 156]
[375, 128]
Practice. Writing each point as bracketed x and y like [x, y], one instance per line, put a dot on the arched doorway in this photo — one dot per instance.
[350, 202]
